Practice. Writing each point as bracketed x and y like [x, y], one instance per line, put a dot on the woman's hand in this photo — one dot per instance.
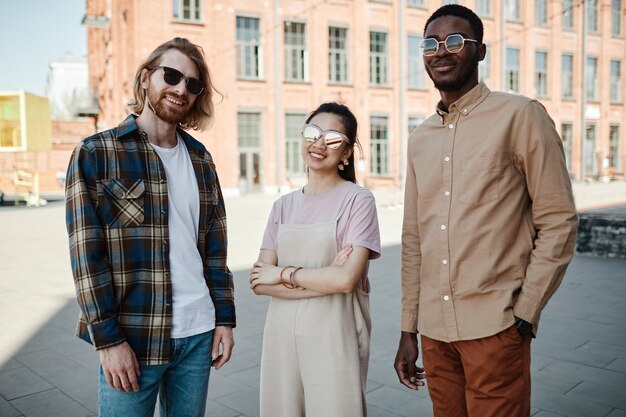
[342, 256]
[264, 273]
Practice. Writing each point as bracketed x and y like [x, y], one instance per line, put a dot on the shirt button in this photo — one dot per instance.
[451, 126]
[464, 110]
[443, 227]
[446, 298]
[447, 193]
[446, 158]
[445, 262]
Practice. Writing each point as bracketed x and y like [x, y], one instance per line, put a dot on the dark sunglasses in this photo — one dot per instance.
[332, 138]
[453, 43]
[173, 77]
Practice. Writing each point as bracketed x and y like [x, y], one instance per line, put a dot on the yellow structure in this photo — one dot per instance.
[24, 122]
[25, 129]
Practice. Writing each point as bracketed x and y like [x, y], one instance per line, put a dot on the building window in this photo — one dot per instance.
[512, 70]
[296, 59]
[294, 166]
[484, 68]
[379, 146]
[483, 7]
[616, 17]
[541, 12]
[614, 155]
[591, 167]
[249, 149]
[444, 2]
[568, 14]
[567, 78]
[567, 132]
[249, 129]
[591, 82]
[592, 15]
[378, 58]
[512, 11]
[541, 74]
[420, 3]
[416, 70]
[186, 10]
[414, 122]
[616, 81]
[338, 55]
[248, 47]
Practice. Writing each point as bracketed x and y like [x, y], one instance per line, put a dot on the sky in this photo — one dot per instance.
[33, 33]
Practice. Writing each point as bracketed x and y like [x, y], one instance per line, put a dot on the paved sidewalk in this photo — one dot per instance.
[579, 358]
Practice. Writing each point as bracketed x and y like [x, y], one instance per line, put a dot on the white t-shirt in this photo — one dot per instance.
[193, 311]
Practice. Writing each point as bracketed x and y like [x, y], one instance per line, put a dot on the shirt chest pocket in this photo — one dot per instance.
[479, 180]
[121, 202]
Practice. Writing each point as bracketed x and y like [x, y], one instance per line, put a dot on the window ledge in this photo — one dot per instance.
[262, 80]
[188, 22]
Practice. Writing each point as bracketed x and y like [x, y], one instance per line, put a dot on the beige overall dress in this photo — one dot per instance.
[315, 350]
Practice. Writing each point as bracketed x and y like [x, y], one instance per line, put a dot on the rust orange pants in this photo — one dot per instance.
[488, 377]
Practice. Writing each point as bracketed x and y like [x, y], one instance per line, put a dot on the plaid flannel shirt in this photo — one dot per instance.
[117, 221]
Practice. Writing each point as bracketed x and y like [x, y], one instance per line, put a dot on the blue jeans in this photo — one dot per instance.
[181, 384]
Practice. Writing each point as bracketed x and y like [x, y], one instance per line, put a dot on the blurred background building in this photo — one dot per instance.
[276, 60]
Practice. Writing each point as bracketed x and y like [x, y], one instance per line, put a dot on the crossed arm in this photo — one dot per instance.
[342, 276]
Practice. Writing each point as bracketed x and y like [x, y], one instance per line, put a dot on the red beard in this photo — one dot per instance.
[170, 114]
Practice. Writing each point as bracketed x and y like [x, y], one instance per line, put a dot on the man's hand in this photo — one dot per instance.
[223, 344]
[120, 367]
[408, 373]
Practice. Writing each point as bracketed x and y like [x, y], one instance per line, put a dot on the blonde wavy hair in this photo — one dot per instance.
[201, 115]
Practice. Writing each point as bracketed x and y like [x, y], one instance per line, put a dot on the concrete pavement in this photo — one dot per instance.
[579, 358]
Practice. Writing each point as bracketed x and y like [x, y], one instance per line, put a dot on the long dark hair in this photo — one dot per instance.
[348, 120]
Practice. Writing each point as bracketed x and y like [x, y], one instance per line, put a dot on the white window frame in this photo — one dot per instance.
[379, 145]
[249, 49]
[616, 81]
[416, 77]
[379, 58]
[294, 165]
[567, 77]
[541, 73]
[338, 58]
[513, 70]
[296, 54]
[193, 7]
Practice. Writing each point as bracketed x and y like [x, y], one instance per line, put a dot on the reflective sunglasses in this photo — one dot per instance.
[173, 77]
[453, 43]
[332, 138]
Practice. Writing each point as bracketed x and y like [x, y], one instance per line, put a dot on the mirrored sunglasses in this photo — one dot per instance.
[453, 44]
[173, 77]
[332, 138]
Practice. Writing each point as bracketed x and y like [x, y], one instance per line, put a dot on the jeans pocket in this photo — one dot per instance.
[121, 202]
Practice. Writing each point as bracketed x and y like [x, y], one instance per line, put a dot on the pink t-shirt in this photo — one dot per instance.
[352, 206]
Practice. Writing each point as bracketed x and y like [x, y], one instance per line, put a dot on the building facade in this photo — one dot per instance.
[276, 60]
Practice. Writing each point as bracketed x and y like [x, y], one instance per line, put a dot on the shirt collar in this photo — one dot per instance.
[468, 102]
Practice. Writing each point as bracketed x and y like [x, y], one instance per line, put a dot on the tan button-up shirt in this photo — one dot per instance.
[489, 217]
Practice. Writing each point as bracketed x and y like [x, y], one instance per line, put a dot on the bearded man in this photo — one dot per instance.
[147, 236]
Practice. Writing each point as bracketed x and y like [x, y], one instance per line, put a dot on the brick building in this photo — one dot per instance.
[276, 60]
